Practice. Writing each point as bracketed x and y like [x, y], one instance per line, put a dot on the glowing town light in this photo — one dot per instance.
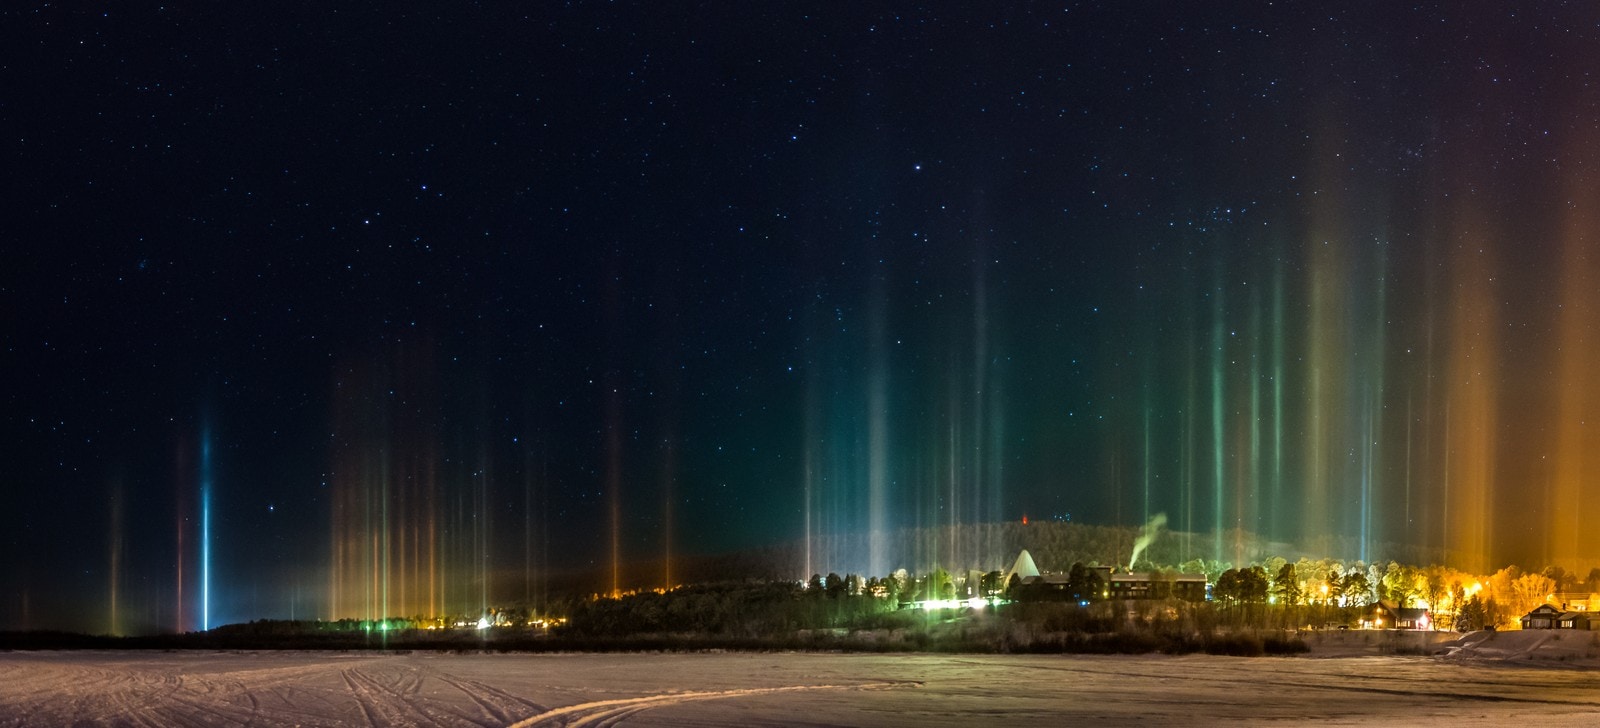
[483, 623]
[1472, 413]
[205, 533]
[933, 604]
[1218, 442]
[878, 477]
[205, 560]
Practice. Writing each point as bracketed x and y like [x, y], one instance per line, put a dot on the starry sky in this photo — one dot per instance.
[305, 304]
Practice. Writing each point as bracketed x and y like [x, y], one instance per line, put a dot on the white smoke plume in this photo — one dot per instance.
[1146, 536]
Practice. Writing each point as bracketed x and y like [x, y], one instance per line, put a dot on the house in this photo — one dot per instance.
[1549, 616]
[1584, 621]
[1388, 615]
[1542, 617]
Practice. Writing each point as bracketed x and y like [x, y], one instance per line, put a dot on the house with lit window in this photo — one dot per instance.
[1549, 616]
[1544, 616]
[1583, 621]
[1388, 615]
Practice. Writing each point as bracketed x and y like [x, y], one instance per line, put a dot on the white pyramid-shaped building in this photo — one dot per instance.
[1023, 569]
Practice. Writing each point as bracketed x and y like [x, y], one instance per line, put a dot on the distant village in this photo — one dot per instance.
[1301, 596]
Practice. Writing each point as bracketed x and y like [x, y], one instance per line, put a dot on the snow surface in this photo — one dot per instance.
[431, 689]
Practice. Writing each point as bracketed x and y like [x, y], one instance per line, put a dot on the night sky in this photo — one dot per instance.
[420, 298]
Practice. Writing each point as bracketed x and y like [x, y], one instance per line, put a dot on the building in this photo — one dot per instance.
[1024, 582]
[1022, 569]
[1549, 616]
[1542, 617]
[1583, 621]
[1576, 601]
[1027, 583]
[1153, 585]
[1049, 588]
[1388, 615]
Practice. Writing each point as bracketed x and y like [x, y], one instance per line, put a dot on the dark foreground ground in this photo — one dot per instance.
[366, 689]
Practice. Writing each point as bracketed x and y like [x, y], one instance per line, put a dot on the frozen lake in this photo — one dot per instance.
[354, 689]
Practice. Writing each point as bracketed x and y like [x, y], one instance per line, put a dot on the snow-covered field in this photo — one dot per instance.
[327, 689]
